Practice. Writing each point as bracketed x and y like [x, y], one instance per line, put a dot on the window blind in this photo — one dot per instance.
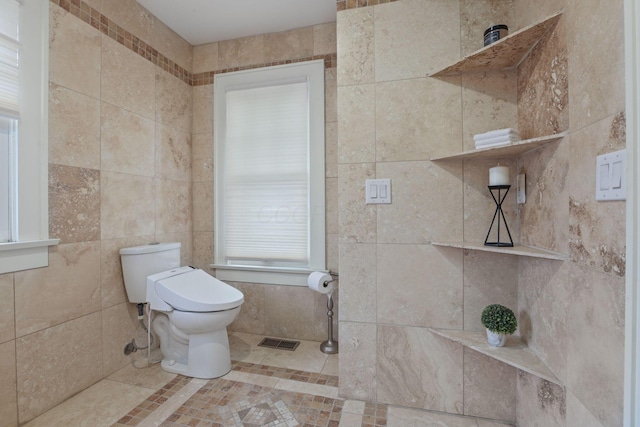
[9, 57]
[266, 175]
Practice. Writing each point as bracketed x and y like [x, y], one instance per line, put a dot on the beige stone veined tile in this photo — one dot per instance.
[74, 128]
[202, 255]
[127, 79]
[297, 43]
[173, 206]
[578, 415]
[540, 400]
[127, 207]
[355, 40]
[68, 288]
[74, 52]
[289, 312]
[202, 157]
[357, 368]
[120, 325]
[68, 355]
[173, 101]
[478, 15]
[330, 95]
[356, 124]
[171, 45]
[252, 314]
[251, 50]
[151, 377]
[404, 417]
[131, 16]
[173, 153]
[357, 220]
[359, 278]
[202, 109]
[7, 311]
[100, 405]
[203, 206]
[127, 141]
[331, 150]
[324, 39]
[205, 58]
[8, 401]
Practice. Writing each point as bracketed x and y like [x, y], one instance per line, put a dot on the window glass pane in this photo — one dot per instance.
[9, 50]
[266, 195]
[8, 128]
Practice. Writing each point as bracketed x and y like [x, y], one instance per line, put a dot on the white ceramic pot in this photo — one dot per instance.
[495, 339]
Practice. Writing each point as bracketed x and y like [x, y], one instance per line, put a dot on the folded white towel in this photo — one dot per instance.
[495, 144]
[496, 140]
[496, 133]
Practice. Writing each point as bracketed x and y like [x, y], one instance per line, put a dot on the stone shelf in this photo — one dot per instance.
[512, 149]
[519, 250]
[515, 352]
[505, 53]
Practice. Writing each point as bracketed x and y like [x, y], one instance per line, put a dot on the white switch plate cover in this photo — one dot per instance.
[521, 195]
[378, 191]
[610, 176]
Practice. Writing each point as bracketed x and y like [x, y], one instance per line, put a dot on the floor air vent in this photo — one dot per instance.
[279, 344]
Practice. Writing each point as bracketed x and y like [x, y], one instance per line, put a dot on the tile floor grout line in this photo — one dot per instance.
[173, 403]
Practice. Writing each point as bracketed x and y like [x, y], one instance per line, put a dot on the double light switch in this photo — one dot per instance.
[378, 191]
[610, 176]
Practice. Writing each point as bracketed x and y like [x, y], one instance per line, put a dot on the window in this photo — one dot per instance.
[24, 224]
[269, 163]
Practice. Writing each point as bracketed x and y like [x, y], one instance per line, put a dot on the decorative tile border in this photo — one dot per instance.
[288, 374]
[354, 4]
[97, 20]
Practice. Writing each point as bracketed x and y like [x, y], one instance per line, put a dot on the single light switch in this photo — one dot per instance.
[378, 191]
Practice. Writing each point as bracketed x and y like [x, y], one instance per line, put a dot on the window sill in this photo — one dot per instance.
[268, 275]
[17, 256]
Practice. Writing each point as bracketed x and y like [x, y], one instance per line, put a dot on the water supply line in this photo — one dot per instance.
[132, 347]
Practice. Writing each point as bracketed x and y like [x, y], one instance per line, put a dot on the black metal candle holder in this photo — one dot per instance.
[497, 214]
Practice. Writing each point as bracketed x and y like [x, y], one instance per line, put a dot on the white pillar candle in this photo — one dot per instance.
[499, 175]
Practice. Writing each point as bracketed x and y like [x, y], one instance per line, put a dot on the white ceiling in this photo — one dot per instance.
[206, 21]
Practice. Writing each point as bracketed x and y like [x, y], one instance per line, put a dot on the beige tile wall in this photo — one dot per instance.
[392, 120]
[131, 163]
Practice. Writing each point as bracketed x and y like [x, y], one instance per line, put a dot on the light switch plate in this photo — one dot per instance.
[610, 176]
[378, 191]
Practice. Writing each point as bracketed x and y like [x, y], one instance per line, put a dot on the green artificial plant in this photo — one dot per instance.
[499, 319]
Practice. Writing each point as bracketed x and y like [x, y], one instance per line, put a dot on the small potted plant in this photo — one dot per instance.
[500, 322]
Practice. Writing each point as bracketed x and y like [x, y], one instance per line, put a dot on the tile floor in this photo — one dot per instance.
[264, 388]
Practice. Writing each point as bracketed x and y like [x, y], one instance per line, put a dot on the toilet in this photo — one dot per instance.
[190, 309]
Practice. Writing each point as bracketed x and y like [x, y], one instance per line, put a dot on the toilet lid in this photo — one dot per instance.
[195, 290]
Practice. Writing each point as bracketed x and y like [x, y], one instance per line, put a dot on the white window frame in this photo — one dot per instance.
[29, 247]
[314, 73]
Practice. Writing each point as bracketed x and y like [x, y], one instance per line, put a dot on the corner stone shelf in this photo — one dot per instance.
[519, 250]
[512, 149]
[515, 352]
[503, 54]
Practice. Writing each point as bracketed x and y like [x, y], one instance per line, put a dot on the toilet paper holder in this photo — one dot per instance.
[330, 346]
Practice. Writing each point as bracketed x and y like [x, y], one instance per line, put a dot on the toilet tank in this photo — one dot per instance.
[141, 261]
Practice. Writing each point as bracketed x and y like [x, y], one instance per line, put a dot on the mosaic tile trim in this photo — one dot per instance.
[93, 17]
[375, 415]
[284, 373]
[153, 402]
[206, 78]
[354, 4]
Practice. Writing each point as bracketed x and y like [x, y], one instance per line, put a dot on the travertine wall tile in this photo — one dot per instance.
[324, 39]
[478, 15]
[358, 355]
[202, 157]
[56, 363]
[413, 219]
[228, 54]
[330, 95]
[416, 119]
[595, 348]
[127, 142]
[414, 38]
[543, 87]
[357, 125]
[489, 101]
[488, 279]
[402, 417]
[489, 387]
[7, 311]
[171, 45]
[205, 58]
[528, 12]
[74, 128]
[403, 351]
[331, 150]
[202, 109]
[578, 415]
[134, 92]
[357, 220]
[331, 206]
[540, 402]
[8, 397]
[595, 41]
[203, 206]
[173, 206]
[74, 204]
[118, 323]
[289, 311]
[252, 317]
[68, 288]
[74, 53]
[419, 285]
[127, 206]
[203, 250]
[596, 229]
[358, 269]
[130, 15]
[355, 47]
[173, 153]
[290, 44]
[173, 100]
[251, 50]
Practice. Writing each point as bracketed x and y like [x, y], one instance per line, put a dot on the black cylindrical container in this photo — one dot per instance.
[495, 33]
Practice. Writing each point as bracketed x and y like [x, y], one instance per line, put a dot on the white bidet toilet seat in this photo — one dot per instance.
[191, 289]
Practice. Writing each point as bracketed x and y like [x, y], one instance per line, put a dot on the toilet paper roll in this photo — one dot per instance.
[317, 280]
